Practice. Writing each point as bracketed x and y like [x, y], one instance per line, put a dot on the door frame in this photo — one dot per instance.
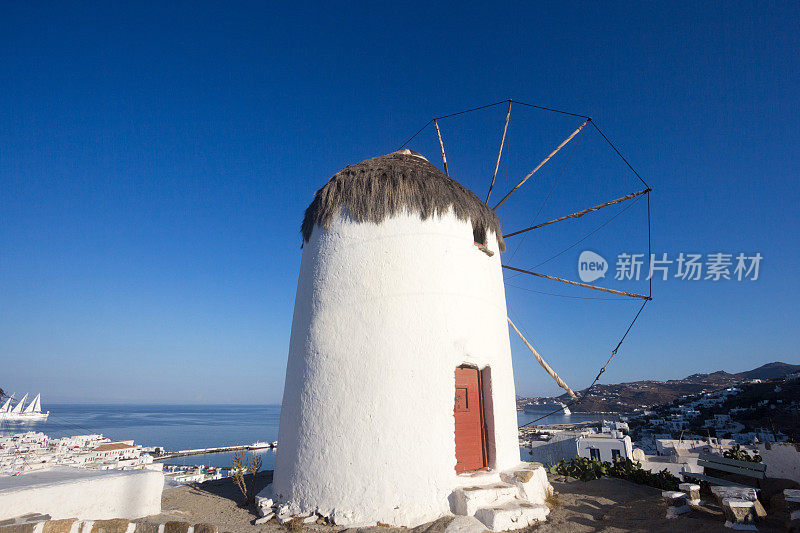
[481, 410]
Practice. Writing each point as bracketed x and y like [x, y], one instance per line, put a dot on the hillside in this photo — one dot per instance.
[627, 397]
[769, 371]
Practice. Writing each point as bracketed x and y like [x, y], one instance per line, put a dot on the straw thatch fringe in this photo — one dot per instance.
[385, 186]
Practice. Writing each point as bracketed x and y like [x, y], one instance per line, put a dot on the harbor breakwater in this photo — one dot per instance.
[200, 451]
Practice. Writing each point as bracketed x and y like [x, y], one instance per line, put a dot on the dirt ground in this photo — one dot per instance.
[608, 505]
[214, 502]
[614, 505]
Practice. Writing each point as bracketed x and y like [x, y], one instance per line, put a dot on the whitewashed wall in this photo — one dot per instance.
[552, 451]
[65, 492]
[782, 460]
[384, 313]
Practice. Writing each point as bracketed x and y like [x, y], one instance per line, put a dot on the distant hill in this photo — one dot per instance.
[770, 371]
[627, 397]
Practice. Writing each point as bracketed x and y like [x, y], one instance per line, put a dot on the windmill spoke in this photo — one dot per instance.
[500, 152]
[546, 159]
[620, 155]
[577, 284]
[441, 145]
[580, 213]
[544, 364]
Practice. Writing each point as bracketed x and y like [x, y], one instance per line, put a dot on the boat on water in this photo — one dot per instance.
[546, 407]
[262, 445]
[21, 413]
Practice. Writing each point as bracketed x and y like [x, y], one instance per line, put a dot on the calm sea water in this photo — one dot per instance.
[183, 427]
[175, 427]
[560, 418]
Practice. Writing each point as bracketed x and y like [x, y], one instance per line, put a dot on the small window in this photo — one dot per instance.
[479, 235]
[615, 454]
[594, 454]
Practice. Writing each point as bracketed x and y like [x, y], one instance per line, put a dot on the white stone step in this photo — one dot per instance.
[531, 481]
[466, 500]
[512, 515]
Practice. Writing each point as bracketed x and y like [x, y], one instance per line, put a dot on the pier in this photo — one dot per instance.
[560, 427]
[201, 451]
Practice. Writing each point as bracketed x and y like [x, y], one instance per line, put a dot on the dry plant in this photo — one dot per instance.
[551, 500]
[255, 466]
[238, 471]
[295, 524]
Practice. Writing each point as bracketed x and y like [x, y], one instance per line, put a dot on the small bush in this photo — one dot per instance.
[588, 469]
[295, 524]
[741, 455]
[551, 500]
[238, 471]
[581, 468]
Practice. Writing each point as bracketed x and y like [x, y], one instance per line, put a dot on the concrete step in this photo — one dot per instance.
[530, 479]
[512, 515]
[467, 500]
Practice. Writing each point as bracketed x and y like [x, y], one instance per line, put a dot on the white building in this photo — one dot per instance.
[759, 435]
[182, 474]
[550, 449]
[611, 425]
[668, 446]
[24, 452]
[399, 386]
[605, 446]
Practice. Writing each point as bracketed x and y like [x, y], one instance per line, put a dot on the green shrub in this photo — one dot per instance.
[741, 455]
[588, 469]
[581, 468]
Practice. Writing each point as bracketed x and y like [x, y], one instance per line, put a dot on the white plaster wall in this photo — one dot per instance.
[84, 494]
[674, 465]
[550, 452]
[782, 460]
[384, 313]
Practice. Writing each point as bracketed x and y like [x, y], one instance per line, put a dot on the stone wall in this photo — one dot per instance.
[38, 523]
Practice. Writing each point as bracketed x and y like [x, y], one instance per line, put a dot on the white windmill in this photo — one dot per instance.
[399, 402]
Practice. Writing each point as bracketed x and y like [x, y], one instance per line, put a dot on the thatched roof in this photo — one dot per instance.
[390, 184]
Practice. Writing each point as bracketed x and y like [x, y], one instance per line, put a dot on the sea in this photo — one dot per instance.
[185, 427]
[173, 427]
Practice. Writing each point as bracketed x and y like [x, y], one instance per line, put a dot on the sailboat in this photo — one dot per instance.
[7, 405]
[33, 412]
[18, 408]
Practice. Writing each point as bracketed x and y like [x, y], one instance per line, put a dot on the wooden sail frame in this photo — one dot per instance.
[559, 381]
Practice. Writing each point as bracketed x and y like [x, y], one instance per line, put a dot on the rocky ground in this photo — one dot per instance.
[214, 502]
[608, 505]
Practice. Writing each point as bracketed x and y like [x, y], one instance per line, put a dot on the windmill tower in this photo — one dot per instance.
[399, 385]
[399, 402]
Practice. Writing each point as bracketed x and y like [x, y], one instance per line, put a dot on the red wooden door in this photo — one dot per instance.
[468, 412]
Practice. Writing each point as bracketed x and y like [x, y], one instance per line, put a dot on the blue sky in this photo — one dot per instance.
[155, 161]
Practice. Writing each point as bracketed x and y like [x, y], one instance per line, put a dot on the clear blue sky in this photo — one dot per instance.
[155, 162]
